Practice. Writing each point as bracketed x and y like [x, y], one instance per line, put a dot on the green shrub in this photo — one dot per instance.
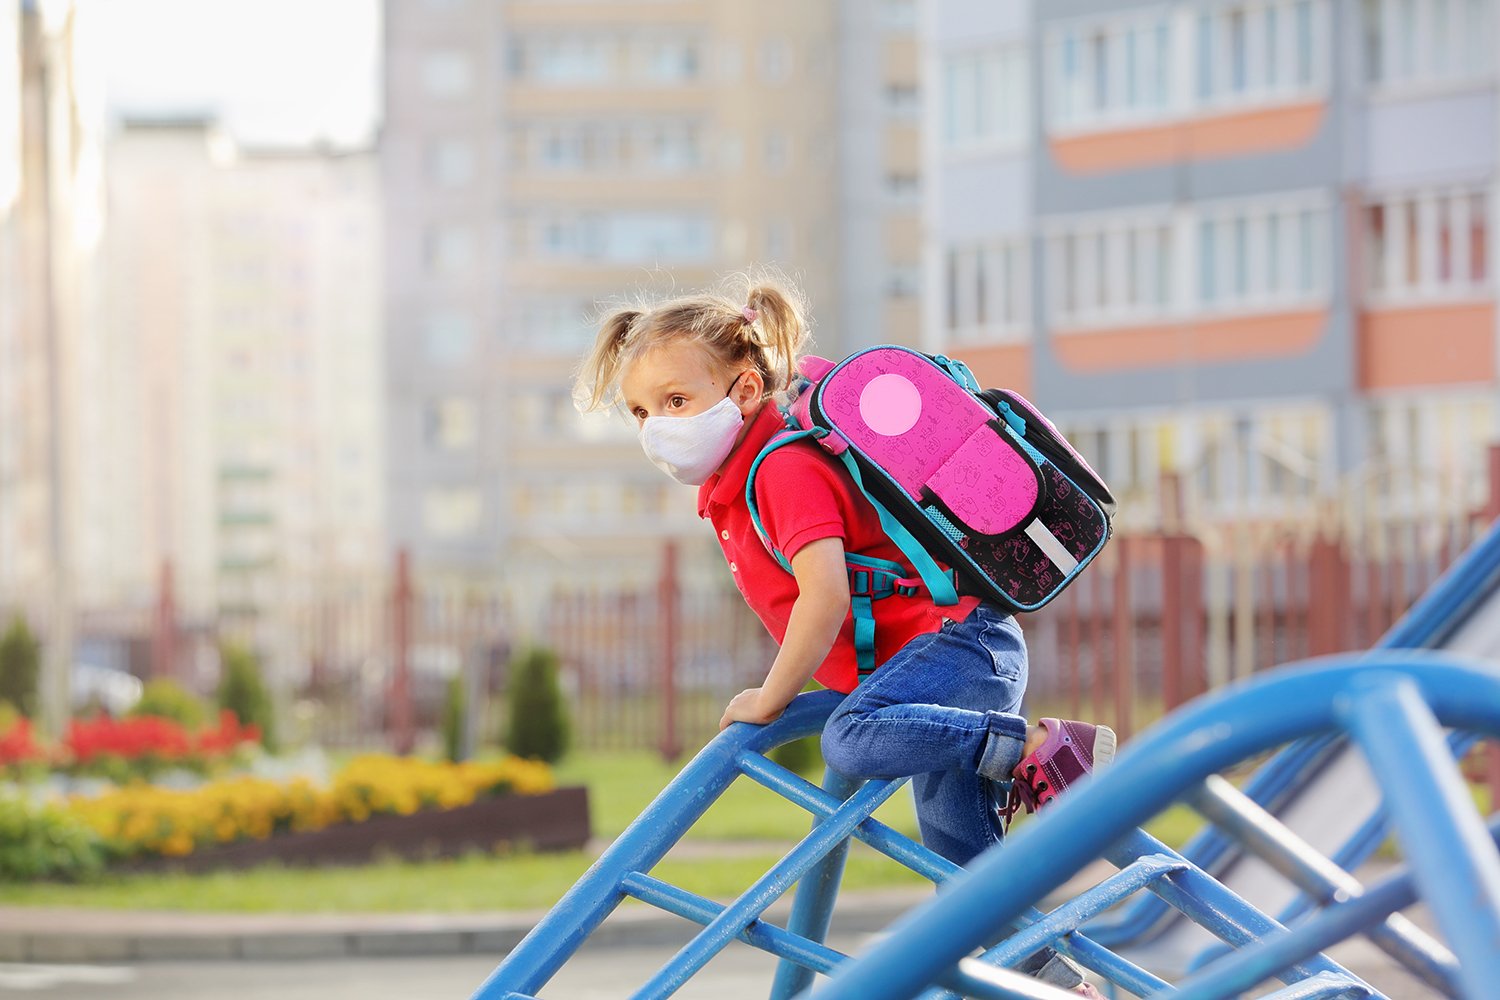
[167, 699]
[455, 706]
[43, 842]
[20, 667]
[243, 691]
[805, 756]
[538, 718]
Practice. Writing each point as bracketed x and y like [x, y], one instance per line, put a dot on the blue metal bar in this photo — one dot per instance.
[1071, 915]
[1207, 901]
[786, 945]
[1429, 623]
[1323, 986]
[1320, 879]
[1430, 807]
[1204, 738]
[766, 890]
[927, 863]
[1241, 970]
[646, 841]
[812, 909]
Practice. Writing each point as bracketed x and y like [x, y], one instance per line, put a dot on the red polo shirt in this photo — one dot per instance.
[805, 494]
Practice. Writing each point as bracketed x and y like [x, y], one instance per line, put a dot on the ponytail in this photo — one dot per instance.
[756, 321]
[597, 380]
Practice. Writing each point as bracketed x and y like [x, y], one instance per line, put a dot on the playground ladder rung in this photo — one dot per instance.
[736, 917]
[767, 937]
[1323, 986]
[1068, 917]
[1221, 911]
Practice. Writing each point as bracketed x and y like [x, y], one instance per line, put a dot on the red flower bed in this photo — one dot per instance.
[19, 746]
[151, 736]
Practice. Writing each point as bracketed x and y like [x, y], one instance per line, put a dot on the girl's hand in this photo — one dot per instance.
[746, 707]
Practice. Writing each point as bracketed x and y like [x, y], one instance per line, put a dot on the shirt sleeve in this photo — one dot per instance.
[802, 499]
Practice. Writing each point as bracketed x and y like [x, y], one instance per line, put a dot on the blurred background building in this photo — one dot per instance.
[545, 162]
[1246, 242]
[1242, 247]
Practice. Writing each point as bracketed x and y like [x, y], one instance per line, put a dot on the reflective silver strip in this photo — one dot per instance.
[1050, 546]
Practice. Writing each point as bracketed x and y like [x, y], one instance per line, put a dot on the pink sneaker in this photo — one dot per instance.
[1070, 751]
[1087, 990]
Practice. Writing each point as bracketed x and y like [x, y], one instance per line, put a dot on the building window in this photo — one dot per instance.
[775, 60]
[1258, 52]
[452, 512]
[904, 189]
[450, 162]
[563, 61]
[903, 281]
[448, 249]
[451, 424]
[1261, 256]
[987, 291]
[1111, 272]
[667, 60]
[986, 97]
[1105, 73]
[447, 338]
[1428, 245]
[1428, 42]
[903, 100]
[778, 152]
[447, 75]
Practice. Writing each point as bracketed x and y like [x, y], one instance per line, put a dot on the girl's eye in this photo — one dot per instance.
[677, 402]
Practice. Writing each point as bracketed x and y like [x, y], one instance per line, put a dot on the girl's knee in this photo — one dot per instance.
[836, 745]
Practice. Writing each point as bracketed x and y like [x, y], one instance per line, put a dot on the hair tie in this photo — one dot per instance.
[749, 313]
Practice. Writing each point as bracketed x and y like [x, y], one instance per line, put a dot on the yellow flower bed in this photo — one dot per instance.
[144, 819]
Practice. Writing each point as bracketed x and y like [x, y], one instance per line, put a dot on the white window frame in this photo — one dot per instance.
[1005, 266]
[972, 125]
[1387, 273]
[1067, 107]
[1465, 58]
[1111, 296]
[1273, 275]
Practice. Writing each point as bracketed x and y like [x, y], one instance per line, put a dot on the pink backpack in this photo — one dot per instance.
[978, 480]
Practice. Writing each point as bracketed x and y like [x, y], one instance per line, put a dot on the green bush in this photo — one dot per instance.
[242, 690]
[20, 667]
[455, 707]
[538, 719]
[43, 842]
[167, 699]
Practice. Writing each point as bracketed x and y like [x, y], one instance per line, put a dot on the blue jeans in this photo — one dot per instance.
[943, 710]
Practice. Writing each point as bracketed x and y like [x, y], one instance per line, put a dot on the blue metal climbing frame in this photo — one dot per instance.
[1391, 705]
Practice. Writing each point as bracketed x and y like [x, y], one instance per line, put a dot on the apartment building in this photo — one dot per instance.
[1247, 242]
[242, 331]
[545, 162]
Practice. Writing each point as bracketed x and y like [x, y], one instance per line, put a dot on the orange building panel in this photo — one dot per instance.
[1006, 366]
[1218, 137]
[1427, 345]
[1242, 338]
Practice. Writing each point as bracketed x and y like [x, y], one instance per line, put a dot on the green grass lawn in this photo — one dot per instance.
[739, 837]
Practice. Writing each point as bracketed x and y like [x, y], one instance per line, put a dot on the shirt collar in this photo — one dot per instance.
[727, 486]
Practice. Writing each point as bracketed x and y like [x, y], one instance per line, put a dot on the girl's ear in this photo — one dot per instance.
[749, 391]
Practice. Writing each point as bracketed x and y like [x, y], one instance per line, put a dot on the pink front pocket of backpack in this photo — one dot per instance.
[932, 437]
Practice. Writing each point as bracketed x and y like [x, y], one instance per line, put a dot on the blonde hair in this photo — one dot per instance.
[756, 320]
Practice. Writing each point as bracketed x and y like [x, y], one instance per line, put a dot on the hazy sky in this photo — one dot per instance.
[275, 70]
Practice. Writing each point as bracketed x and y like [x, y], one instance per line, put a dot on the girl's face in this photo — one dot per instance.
[676, 380]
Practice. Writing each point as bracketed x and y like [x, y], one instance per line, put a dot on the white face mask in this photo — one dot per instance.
[690, 449]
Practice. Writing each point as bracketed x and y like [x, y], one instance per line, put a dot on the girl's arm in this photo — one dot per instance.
[818, 614]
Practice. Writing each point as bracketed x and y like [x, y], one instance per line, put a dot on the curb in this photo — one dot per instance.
[61, 936]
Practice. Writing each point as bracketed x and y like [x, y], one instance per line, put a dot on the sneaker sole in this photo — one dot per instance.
[1104, 746]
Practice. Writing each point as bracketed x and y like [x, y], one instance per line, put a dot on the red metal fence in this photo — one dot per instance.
[1161, 618]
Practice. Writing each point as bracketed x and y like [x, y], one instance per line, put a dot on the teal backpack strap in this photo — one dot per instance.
[777, 441]
[940, 583]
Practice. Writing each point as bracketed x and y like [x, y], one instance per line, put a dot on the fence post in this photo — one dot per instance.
[1327, 596]
[1124, 634]
[164, 635]
[668, 626]
[402, 736]
[1492, 511]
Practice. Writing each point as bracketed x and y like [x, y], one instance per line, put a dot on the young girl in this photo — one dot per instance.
[699, 375]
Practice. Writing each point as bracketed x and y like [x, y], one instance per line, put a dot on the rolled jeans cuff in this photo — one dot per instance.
[1002, 748]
